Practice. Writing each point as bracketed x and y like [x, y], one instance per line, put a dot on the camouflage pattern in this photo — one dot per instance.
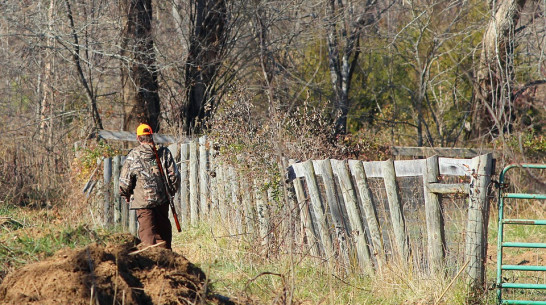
[140, 177]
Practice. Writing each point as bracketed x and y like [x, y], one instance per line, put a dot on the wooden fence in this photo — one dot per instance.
[334, 212]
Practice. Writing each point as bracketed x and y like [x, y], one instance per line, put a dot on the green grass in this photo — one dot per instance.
[29, 235]
[525, 209]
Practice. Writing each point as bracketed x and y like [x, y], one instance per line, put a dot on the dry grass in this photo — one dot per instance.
[238, 268]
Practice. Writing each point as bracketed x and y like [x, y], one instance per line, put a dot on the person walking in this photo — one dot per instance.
[140, 182]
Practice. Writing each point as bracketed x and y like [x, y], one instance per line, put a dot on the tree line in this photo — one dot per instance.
[412, 72]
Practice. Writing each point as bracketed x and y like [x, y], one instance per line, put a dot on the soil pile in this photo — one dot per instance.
[109, 274]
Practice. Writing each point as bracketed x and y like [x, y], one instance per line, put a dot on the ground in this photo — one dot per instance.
[110, 274]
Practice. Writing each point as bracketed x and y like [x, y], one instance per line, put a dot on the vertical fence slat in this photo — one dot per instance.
[305, 218]
[221, 191]
[478, 210]
[358, 233]
[213, 185]
[434, 218]
[395, 209]
[357, 169]
[133, 223]
[261, 213]
[184, 184]
[194, 170]
[107, 175]
[117, 199]
[235, 198]
[325, 169]
[203, 177]
[318, 209]
[124, 206]
[292, 211]
[247, 203]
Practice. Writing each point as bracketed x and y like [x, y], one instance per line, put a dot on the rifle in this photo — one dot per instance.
[167, 190]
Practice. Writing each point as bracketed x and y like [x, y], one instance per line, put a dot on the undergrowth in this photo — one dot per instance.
[29, 235]
[238, 268]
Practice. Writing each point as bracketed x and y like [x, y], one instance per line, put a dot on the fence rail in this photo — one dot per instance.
[334, 213]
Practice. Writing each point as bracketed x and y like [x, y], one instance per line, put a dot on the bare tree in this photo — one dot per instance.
[138, 66]
[345, 24]
[207, 43]
[494, 73]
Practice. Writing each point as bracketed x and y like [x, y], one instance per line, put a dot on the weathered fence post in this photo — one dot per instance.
[305, 218]
[184, 184]
[476, 228]
[357, 169]
[262, 213]
[434, 217]
[194, 170]
[221, 191]
[318, 209]
[124, 206]
[213, 185]
[117, 199]
[247, 203]
[395, 209]
[324, 168]
[133, 223]
[235, 198]
[107, 204]
[358, 233]
[203, 177]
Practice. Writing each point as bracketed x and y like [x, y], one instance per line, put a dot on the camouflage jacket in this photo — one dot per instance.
[140, 177]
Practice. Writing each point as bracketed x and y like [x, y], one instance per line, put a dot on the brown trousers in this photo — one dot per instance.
[154, 226]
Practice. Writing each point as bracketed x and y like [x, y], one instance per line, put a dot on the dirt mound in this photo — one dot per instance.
[109, 274]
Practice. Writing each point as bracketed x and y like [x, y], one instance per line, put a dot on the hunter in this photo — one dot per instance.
[141, 184]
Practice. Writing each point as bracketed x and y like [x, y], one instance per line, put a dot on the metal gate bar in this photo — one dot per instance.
[502, 244]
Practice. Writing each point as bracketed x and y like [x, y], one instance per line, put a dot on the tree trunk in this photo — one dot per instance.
[207, 41]
[46, 104]
[138, 67]
[342, 64]
[494, 74]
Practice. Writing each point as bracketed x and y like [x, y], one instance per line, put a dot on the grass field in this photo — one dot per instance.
[239, 269]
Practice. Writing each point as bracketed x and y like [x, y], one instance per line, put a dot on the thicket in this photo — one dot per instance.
[411, 83]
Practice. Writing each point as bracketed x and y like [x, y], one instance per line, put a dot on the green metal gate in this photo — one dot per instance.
[503, 244]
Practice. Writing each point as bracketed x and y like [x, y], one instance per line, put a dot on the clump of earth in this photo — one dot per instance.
[117, 273]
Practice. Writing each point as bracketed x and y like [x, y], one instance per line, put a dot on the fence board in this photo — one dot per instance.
[365, 193]
[456, 188]
[133, 223]
[357, 233]
[131, 136]
[395, 209]
[403, 168]
[318, 208]
[194, 172]
[262, 213]
[324, 169]
[221, 191]
[124, 206]
[247, 204]
[213, 185]
[434, 217]
[184, 184]
[306, 223]
[478, 211]
[203, 177]
[117, 200]
[441, 151]
[107, 175]
[235, 199]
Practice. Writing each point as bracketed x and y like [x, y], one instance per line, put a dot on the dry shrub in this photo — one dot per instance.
[32, 174]
[304, 132]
